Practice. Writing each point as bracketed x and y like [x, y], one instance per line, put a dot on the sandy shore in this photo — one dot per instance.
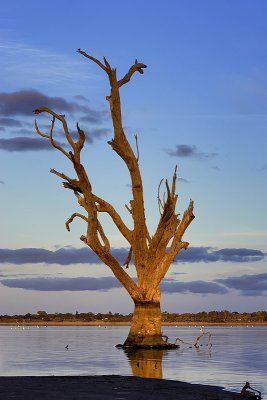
[106, 387]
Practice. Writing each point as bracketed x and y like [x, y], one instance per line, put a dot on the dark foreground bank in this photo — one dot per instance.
[106, 387]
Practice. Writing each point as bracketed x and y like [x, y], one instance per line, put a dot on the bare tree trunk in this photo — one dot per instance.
[145, 331]
[145, 326]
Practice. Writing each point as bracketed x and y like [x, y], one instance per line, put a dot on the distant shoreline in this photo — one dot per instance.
[103, 323]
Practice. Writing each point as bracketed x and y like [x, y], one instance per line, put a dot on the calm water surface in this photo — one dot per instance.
[237, 354]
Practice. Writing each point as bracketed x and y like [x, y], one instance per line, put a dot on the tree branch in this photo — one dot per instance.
[174, 178]
[116, 268]
[136, 67]
[63, 176]
[176, 245]
[39, 132]
[104, 206]
[160, 205]
[71, 186]
[95, 60]
[168, 221]
[128, 259]
[103, 237]
[81, 140]
[69, 221]
[60, 118]
[128, 208]
[50, 136]
[137, 148]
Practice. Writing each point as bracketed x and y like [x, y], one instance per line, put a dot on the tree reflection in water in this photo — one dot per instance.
[145, 363]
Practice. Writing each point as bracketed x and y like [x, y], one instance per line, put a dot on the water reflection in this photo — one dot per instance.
[146, 363]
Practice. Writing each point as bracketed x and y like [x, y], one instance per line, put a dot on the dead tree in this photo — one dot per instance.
[151, 255]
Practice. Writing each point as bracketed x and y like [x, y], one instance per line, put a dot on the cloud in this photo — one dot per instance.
[62, 256]
[93, 134]
[186, 151]
[72, 255]
[93, 116]
[207, 254]
[26, 131]
[10, 122]
[24, 144]
[79, 97]
[248, 285]
[63, 284]
[23, 102]
[107, 283]
[90, 134]
[2, 182]
[49, 71]
[201, 287]
[182, 180]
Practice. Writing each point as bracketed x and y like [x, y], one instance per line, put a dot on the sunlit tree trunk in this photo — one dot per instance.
[150, 255]
[145, 326]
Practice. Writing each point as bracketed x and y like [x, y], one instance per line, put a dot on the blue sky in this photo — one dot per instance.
[201, 104]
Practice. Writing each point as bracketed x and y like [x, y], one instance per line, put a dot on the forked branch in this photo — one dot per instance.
[168, 220]
[177, 243]
[74, 215]
[59, 117]
[50, 136]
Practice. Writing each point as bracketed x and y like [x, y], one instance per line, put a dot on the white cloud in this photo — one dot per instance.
[24, 65]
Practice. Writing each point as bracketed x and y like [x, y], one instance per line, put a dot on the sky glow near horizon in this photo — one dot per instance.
[201, 104]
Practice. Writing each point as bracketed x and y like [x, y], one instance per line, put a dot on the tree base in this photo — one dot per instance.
[145, 331]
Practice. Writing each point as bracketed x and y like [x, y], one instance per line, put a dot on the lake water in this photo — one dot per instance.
[237, 354]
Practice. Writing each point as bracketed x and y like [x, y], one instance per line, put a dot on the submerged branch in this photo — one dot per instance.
[196, 344]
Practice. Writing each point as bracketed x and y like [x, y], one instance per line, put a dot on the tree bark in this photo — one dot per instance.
[145, 328]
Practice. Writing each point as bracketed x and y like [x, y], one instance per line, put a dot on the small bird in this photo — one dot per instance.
[67, 347]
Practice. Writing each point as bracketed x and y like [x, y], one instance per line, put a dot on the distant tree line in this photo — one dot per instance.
[217, 317]
[201, 317]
